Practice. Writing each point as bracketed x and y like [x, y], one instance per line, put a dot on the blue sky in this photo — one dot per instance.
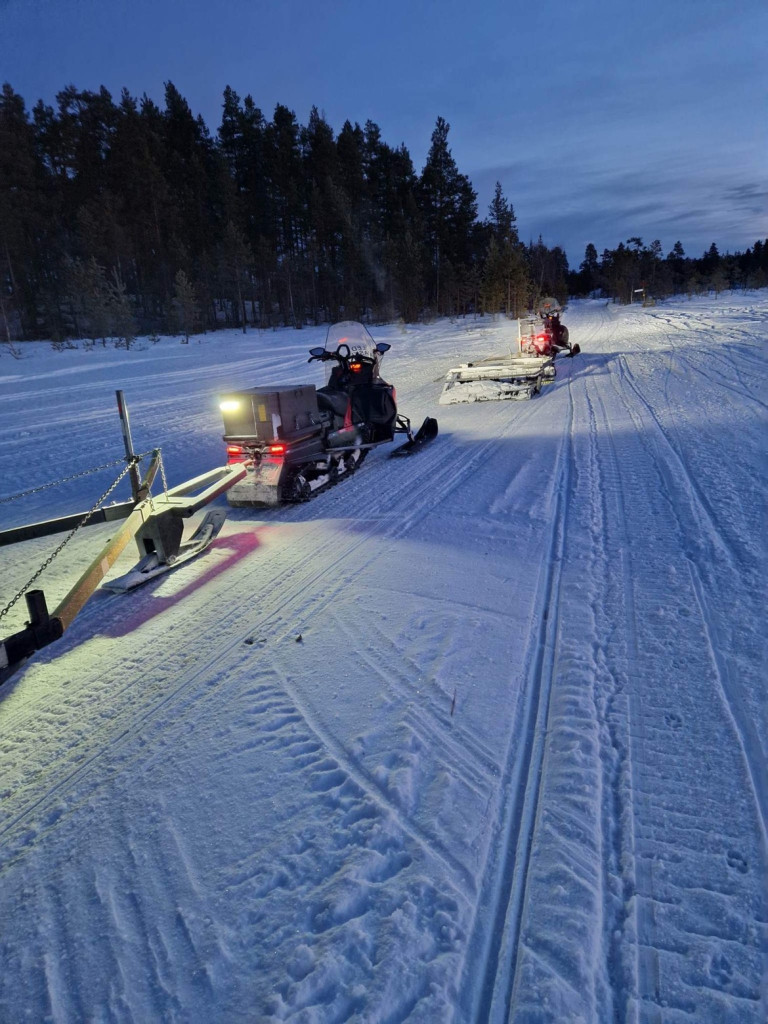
[602, 119]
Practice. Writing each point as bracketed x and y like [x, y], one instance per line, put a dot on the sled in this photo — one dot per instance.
[151, 566]
[519, 374]
[156, 525]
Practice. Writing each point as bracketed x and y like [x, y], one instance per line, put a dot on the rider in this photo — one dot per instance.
[559, 330]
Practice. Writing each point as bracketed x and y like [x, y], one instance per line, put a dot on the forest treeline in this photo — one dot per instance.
[122, 218]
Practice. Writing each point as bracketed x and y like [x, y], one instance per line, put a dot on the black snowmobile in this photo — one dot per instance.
[297, 440]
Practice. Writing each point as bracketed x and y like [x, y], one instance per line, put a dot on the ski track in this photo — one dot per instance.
[492, 950]
[617, 883]
[594, 978]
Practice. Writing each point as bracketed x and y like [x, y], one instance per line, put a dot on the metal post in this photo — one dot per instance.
[125, 423]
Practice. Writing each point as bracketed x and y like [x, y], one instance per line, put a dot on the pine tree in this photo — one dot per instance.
[505, 261]
[123, 326]
[710, 261]
[502, 217]
[89, 298]
[24, 215]
[184, 306]
[235, 259]
[193, 172]
[449, 208]
[589, 270]
[493, 286]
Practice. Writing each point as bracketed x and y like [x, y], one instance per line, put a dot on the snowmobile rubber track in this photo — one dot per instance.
[333, 480]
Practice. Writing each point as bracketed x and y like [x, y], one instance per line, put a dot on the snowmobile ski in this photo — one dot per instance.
[150, 567]
[426, 432]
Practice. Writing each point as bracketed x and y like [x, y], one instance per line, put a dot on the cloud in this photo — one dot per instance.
[752, 198]
[669, 200]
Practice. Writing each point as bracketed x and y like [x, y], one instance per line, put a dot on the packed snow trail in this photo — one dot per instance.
[477, 736]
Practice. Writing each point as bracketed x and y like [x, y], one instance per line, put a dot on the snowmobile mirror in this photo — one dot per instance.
[383, 347]
[317, 352]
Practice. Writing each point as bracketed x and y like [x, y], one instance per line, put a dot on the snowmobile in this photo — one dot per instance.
[553, 337]
[295, 441]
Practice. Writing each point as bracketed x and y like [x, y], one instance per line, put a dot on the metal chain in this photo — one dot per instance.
[165, 482]
[66, 479]
[162, 473]
[131, 463]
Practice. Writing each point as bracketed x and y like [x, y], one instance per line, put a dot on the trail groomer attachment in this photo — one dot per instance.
[155, 523]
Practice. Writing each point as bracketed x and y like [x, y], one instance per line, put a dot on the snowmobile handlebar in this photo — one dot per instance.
[342, 356]
[323, 356]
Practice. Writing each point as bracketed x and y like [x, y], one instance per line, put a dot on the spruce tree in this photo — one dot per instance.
[449, 209]
[185, 308]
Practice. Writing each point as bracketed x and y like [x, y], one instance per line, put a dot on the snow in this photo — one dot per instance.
[478, 735]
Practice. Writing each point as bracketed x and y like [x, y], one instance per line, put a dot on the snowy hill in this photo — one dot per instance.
[479, 735]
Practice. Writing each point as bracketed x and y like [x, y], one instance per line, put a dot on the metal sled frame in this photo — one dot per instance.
[156, 523]
[520, 374]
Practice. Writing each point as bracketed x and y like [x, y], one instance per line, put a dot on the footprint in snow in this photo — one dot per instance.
[738, 861]
[720, 970]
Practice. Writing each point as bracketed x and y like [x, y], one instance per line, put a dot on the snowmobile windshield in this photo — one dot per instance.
[548, 305]
[354, 336]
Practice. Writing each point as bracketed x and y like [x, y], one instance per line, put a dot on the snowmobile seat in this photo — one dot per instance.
[331, 401]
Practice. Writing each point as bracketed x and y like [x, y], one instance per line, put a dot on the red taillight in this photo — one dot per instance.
[236, 453]
[355, 367]
[276, 449]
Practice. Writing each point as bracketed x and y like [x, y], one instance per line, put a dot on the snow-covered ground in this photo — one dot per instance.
[479, 735]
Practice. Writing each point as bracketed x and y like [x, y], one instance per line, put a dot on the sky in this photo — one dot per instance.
[602, 120]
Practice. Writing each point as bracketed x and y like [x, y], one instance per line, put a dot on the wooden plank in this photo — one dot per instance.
[100, 566]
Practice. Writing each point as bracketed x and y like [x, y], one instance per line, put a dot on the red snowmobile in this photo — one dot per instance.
[552, 339]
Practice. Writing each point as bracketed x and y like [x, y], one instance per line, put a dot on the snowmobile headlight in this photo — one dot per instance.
[229, 405]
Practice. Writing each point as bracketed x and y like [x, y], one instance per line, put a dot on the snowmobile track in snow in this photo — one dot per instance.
[218, 821]
[655, 749]
[493, 951]
[712, 538]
